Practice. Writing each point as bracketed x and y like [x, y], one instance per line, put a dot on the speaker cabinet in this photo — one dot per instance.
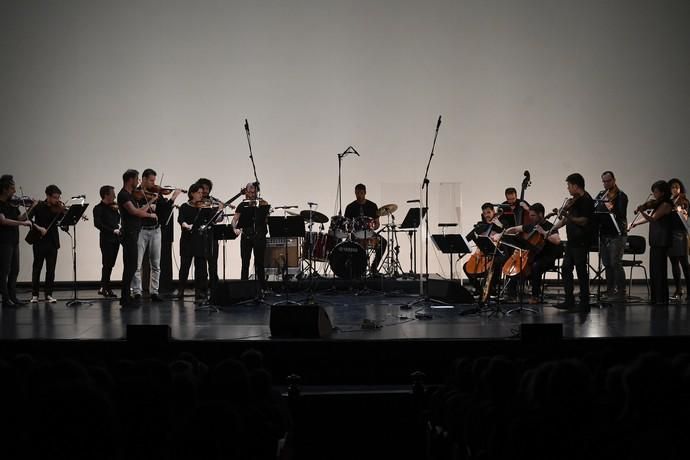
[300, 321]
[541, 334]
[148, 333]
[274, 257]
[231, 292]
[451, 291]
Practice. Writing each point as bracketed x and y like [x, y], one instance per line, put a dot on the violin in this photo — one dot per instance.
[57, 208]
[163, 189]
[650, 204]
[25, 201]
[206, 203]
[141, 194]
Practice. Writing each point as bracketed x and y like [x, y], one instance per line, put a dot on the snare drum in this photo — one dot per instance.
[341, 227]
[368, 243]
[348, 260]
[322, 244]
[363, 227]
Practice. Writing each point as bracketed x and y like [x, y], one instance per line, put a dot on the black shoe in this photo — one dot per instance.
[110, 294]
[156, 298]
[102, 292]
[18, 302]
[7, 303]
[136, 296]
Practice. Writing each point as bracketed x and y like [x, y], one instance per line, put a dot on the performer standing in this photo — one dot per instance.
[131, 215]
[10, 221]
[253, 236]
[678, 254]
[578, 219]
[513, 208]
[211, 243]
[614, 201]
[541, 258]
[362, 207]
[193, 243]
[46, 216]
[149, 241]
[106, 218]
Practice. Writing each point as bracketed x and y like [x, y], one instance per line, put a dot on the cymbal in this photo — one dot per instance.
[315, 216]
[291, 213]
[387, 209]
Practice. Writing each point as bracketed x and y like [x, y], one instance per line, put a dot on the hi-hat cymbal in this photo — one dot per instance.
[387, 209]
[315, 216]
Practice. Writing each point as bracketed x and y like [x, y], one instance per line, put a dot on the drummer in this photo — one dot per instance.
[365, 214]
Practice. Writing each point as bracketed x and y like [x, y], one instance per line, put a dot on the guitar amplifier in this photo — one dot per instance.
[274, 256]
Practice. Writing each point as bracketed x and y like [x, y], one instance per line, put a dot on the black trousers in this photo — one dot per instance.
[212, 258]
[658, 274]
[109, 251]
[165, 281]
[575, 257]
[258, 245]
[539, 266]
[130, 241]
[679, 263]
[9, 270]
[43, 252]
[200, 274]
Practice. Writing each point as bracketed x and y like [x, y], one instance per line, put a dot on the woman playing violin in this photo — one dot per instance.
[46, 216]
[193, 243]
[678, 253]
[658, 213]
[10, 221]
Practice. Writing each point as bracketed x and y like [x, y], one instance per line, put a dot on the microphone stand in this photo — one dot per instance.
[339, 192]
[425, 298]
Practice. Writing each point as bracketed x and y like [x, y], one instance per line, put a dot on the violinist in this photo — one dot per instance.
[253, 236]
[543, 257]
[577, 216]
[678, 253]
[212, 243]
[106, 218]
[131, 216]
[10, 221]
[193, 243]
[46, 216]
[614, 201]
[149, 242]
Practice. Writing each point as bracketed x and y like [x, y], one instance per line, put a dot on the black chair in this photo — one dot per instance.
[555, 269]
[636, 246]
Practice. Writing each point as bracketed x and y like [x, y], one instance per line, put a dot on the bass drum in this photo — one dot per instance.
[348, 260]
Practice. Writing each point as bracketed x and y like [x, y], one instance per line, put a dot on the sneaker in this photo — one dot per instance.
[50, 299]
[34, 299]
[103, 292]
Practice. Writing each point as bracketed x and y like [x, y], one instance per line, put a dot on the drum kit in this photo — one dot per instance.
[347, 244]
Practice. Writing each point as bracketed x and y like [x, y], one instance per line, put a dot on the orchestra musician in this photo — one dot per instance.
[577, 216]
[614, 201]
[10, 221]
[253, 235]
[211, 243]
[106, 218]
[150, 235]
[678, 253]
[513, 208]
[489, 226]
[131, 215]
[362, 207]
[193, 243]
[542, 257]
[658, 213]
[46, 216]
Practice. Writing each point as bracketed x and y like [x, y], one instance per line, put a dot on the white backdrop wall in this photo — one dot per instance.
[91, 88]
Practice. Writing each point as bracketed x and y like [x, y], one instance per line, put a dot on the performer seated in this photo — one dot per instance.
[253, 235]
[10, 221]
[542, 257]
[362, 207]
[193, 243]
[46, 217]
[106, 218]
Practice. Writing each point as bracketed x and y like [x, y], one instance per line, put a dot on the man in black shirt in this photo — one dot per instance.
[253, 235]
[211, 243]
[131, 215]
[513, 209]
[106, 219]
[578, 219]
[612, 202]
[362, 207]
[10, 221]
[46, 216]
[541, 258]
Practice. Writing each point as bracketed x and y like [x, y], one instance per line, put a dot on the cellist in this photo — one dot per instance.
[546, 248]
[489, 225]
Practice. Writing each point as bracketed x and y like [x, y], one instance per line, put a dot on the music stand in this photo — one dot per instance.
[410, 224]
[451, 244]
[203, 223]
[74, 213]
[286, 227]
[223, 232]
[523, 247]
[249, 217]
[608, 225]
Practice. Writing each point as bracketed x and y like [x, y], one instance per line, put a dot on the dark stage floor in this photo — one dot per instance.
[105, 320]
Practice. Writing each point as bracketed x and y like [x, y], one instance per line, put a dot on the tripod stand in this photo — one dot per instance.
[74, 214]
[286, 227]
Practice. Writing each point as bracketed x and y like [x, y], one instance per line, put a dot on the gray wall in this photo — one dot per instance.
[91, 88]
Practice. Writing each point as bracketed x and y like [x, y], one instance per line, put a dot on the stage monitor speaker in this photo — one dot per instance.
[148, 333]
[234, 291]
[300, 321]
[451, 291]
[274, 256]
[541, 334]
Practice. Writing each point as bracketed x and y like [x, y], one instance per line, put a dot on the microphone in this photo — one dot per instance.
[246, 125]
[78, 196]
[438, 123]
[312, 204]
